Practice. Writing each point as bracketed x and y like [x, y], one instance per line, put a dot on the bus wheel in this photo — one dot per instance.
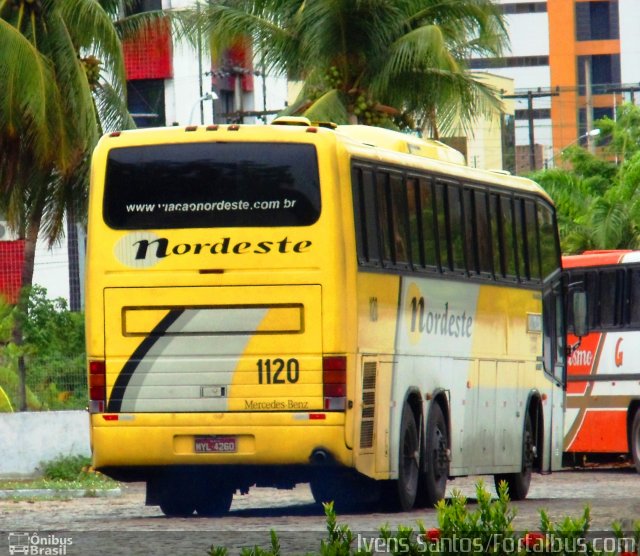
[433, 482]
[635, 440]
[214, 502]
[403, 491]
[176, 504]
[518, 483]
[349, 491]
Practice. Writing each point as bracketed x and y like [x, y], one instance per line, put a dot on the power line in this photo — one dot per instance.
[530, 95]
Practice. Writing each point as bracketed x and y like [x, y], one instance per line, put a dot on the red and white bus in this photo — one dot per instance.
[603, 384]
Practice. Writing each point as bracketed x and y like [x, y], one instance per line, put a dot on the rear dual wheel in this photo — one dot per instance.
[214, 502]
[433, 481]
[415, 486]
[518, 483]
[347, 489]
[183, 494]
[405, 488]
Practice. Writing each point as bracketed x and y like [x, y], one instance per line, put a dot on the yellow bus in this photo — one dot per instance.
[341, 305]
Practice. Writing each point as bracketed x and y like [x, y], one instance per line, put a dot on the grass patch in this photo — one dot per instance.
[95, 481]
[64, 473]
[66, 468]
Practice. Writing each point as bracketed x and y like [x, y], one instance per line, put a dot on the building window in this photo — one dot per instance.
[537, 114]
[605, 72]
[597, 21]
[508, 62]
[139, 6]
[224, 107]
[524, 8]
[145, 100]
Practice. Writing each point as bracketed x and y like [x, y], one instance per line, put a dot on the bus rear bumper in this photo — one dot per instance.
[147, 440]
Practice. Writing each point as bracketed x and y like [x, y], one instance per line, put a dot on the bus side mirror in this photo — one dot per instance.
[579, 300]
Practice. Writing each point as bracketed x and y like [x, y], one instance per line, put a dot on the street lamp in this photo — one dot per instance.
[588, 135]
[211, 95]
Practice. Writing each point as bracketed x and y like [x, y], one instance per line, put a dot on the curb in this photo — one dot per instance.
[31, 493]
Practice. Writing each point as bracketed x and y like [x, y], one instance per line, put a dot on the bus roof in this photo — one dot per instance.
[600, 258]
[360, 140]
[401, 142]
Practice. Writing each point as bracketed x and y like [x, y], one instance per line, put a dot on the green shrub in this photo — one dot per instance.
[486, 530]
[11, 386]
[53, 352]
[66, 468]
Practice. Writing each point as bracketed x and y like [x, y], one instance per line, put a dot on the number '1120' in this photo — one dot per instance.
[278, 371]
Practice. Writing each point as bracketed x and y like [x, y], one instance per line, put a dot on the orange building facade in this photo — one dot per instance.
[572, 62]
[584, 52]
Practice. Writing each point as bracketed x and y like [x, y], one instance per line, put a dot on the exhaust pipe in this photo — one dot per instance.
[320, 457]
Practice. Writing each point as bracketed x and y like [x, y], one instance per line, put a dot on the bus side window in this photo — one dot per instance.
[508, 238]
[359, 215]
[496, 236]
[428, 223]
[469, 224]
[366, 216]
[533, 251]
[385, 225]
[549, 255]
[456, 227]
[400, 223]
[634, 297]
[611, 298]
[483, 232]
[415, 232]
[444, 249]
[520, 232]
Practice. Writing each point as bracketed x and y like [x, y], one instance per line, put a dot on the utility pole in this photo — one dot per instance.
[200, 81]
[626, 89]
[530, 95]
[589, 101]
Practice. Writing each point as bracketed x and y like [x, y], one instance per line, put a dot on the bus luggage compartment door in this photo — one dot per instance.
[213, 349]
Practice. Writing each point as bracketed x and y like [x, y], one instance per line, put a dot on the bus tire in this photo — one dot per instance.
[176, 504]
[403, 491]
[214, 502]
[348, 490]
[433, 481]
[518, 483]
[635, 440]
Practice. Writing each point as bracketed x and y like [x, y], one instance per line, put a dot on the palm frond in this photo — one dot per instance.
[112, 109]
[609, 220]
[29, 107]
[92, 31]
[330, 107]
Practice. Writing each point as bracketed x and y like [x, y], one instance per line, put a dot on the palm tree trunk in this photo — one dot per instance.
[30, 240]
[74, 263]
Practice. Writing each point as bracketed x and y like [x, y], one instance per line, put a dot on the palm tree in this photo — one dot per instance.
[369, 61]
[56, 55]
[63, 83]
[598, 198]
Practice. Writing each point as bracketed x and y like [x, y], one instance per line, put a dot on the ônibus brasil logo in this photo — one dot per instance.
[38, 544]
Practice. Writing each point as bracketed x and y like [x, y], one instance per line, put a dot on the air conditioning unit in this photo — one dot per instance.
[5, 232]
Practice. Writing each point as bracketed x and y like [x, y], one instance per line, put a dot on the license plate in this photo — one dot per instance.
[215, 444]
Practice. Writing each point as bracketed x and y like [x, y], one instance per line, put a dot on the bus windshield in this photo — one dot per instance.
[198, 185]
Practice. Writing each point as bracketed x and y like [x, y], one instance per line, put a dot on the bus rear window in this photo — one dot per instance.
[203, 185]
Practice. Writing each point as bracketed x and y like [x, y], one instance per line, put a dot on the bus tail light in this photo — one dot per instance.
[97, 386]
[334, 380]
